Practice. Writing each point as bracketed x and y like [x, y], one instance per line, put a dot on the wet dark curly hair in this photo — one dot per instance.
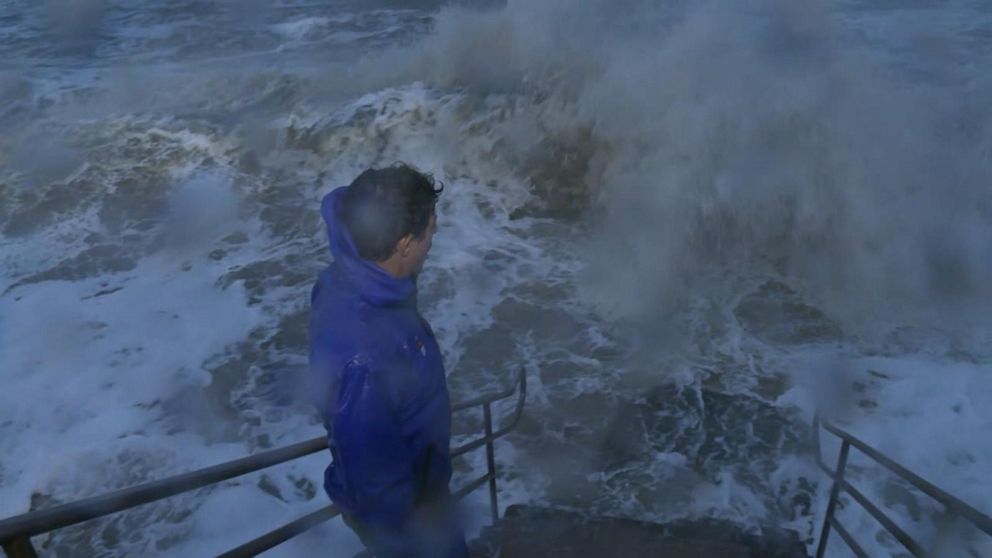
[381, 206]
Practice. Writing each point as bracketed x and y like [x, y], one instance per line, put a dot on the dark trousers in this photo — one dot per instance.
[432, 532]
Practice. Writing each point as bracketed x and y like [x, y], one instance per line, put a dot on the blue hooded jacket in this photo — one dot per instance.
[380, 387]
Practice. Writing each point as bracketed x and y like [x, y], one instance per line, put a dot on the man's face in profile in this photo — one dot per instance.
[419, 247]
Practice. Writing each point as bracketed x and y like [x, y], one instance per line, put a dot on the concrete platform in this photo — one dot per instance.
[536, 532]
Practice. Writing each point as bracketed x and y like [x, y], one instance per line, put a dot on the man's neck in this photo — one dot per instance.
[392, 267]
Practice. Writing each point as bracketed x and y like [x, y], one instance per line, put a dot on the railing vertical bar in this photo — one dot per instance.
[816, 437]
[19, 547]
[491, 461]
[834, 493]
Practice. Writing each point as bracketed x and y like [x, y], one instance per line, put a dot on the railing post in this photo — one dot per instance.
[834, 493]
[19, 548]
[816, 437]
[490, 460]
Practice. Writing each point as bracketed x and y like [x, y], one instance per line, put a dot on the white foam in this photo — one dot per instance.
[86, 363]
[928, 413]
[304, 27]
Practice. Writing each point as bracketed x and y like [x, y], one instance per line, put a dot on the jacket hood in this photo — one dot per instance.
[372, 283]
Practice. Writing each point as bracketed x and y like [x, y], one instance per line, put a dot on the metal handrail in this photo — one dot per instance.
[952, 505]
[282, 534]
[42, 521]
[16, 531]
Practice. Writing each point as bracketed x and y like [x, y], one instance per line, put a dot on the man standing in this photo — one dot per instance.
[377, 368]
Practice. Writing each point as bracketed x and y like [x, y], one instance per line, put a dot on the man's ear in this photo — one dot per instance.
[403, 245]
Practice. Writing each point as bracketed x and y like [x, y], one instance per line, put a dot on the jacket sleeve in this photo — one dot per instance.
[373, 452]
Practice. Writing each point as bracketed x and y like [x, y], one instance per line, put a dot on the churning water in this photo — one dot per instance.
[691, 222]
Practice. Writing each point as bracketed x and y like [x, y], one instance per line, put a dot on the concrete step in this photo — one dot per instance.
[538, 532]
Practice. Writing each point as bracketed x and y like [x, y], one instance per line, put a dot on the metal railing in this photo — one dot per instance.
[952, 505]
[16, 532]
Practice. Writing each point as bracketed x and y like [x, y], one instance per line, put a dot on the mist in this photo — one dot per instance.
[752, 137]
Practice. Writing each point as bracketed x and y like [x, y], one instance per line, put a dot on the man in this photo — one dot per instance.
[377, 368]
